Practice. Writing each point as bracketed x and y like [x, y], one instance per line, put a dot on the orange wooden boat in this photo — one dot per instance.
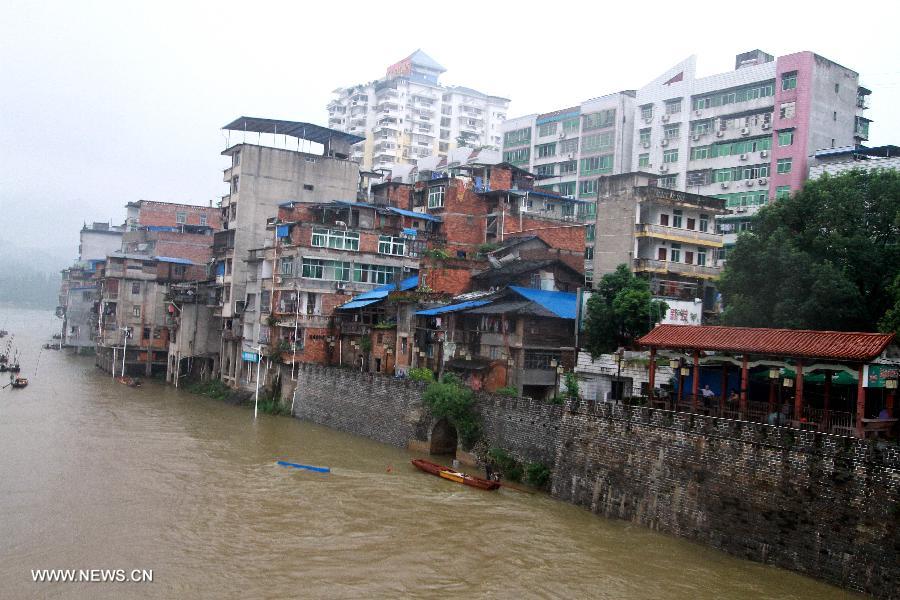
[453, 475]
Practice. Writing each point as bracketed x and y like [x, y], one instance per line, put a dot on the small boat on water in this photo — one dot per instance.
[453, 475]
[129, 381]
[19, 382]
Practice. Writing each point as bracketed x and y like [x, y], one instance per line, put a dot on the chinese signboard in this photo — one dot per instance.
[683, 312]
[875, 376]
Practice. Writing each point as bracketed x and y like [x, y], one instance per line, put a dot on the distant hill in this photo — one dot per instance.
[29, 276]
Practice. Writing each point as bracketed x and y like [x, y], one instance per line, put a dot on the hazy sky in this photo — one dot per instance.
[107, 102]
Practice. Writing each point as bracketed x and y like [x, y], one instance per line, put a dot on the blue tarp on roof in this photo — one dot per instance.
[163, 228]
[415, 215]
[381, 293]
[177, 261]
[282, 231]
[562, 304]
[452, 307]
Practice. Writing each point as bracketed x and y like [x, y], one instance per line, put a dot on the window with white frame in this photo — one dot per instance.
[545, 150]
[588, 187]
[286, 265]
[675, 253]
[568, 146]
[670, 156]
[644, 138]
[784, 165]
[395, 246]
[203, 219]
[643, 160]
[547, 129]
[787, 110]
[335, 238]
[677, 215]
[670, 132]
[328, 270]
[673, 106]
[704, 223]
[181, 217]
[568, 167]
[381, 274]
[669, 181]
[436, 196]
[647, 111]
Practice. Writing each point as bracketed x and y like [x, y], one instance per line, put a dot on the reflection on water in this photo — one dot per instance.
[94, 474]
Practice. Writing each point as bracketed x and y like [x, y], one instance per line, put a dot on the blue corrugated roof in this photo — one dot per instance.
[562, 304]
[415, 215]
[452, 307]
[177, 261]
[381, 292]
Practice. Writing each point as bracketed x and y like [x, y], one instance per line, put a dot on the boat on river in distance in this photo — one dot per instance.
[453, 475]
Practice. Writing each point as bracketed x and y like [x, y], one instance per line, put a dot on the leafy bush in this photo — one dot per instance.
[214, 388]
[537, 474]
[509, 467]
[420, 374]
[572, 391]
[448, 399]
[271, 405]
[509, 390]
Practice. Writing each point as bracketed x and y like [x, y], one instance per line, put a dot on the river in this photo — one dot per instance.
[96, 475]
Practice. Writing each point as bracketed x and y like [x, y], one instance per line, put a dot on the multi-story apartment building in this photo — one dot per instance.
[569, 149]
[746, 135]
[667, 235]
[260, 178]
[835, 161]
[408, 115]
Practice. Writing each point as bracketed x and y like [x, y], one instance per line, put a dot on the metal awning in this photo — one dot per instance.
[297, 129]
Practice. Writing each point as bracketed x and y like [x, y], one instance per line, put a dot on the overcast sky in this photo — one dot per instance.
[108, 102]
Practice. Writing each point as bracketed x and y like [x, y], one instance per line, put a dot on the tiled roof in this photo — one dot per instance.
[836, 345]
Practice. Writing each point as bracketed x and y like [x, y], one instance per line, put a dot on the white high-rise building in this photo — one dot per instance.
[408, 115]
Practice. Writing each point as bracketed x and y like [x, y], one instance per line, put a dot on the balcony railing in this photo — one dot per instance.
[691, 236]
[666, 266]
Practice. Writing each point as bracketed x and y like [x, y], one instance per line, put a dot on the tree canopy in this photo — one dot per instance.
[826, 258]
[620, 310]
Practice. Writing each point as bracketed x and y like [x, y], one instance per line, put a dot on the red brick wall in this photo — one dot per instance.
[396, 193]
[450, 277]
[162, 214]
[565, 235]
[501, 178]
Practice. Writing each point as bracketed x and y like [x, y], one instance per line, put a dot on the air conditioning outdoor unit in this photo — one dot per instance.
[720, 133]
[646, 144]
[743, 157]
[696, 137]
[664, 118]
[766, 125]
[664, 142]
[745, 131]
[749, 183]
[663, 169]
[648, 120]
[340, 285]
[763, 153]
[762, 181]
[724, 185]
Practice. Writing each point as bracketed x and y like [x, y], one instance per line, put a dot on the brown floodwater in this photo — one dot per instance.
[96, 475]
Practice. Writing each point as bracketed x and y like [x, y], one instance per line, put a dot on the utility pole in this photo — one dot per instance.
[256, 400]
[296, 318]
[126, 331]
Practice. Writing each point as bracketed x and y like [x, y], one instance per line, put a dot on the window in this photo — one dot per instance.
[589, 232]
[670, 132]
[788, 81]
[329, 270]
[782, 192]
[568, 167]
[547, 129]
[691, 223]
[571, 125]
[670, 156]
[391, 245]
[135, 287]
[675, 253]
[701, 257]
[380, 274]
[286, 265]
[604, 118]
[740, 173]
[647, 112]
[664, 220]
[593, 143]
[335, 238]
[787, 110]
[670, 181]
[265, 301]
[701, 127]
[704, 223]
[568, 146]
[673, 106]
[544, 170]
[181, 217]
[517, 156]
[588, 254]
[308, 187]
[203, 219]
[147, 333]
[700, 152]
[436, 196]
[545, 150]
[643, 160]
[645, 137]
[135, 311]
[235, 184]
[786, 138]
[837, 88]
[737, 95]
[784, 165]
[519, 137]
[676, 218]
[567, 188]
[597, 164]
[587, 187]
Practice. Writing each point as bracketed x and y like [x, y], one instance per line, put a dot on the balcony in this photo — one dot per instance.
[354, 328]
[650, 265]
[675, 234]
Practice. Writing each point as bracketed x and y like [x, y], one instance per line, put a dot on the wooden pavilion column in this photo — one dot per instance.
[860, 404]
[724, 389]
[771, 396]
[890, 403]
[745, 375]
[695, 388]
[798, 399]
[652, 375]
[826, 415]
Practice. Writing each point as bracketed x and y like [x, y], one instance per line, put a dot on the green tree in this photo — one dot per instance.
[824, 258]
[620, 310]
[890, 322]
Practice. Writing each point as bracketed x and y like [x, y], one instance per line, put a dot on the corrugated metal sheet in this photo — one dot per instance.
[562, 304]
[452, 308]
[380, 293]
[358, 304]
[415, 215]
[837, 345]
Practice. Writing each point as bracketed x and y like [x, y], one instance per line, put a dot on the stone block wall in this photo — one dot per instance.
[823, 505]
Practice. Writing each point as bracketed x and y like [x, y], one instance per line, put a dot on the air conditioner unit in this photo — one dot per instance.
[646, 144]
[340, 285]
[762, 181]
[724, 185]
[763, 153]
[279, 279]
[664, 118]
[696, 137]
[740, 209]
[720, 133]
[699, 113]
[766, 125]
[749, 183]
[745, 131]
[648, 120]
[664, 142]
[663, 169]
[743, 157]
